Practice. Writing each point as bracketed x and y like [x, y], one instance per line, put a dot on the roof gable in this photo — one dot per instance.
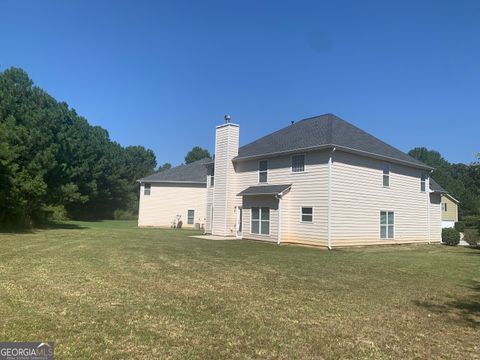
[323, 131]
[436, 187]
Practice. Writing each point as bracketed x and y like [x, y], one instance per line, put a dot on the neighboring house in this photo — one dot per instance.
[320, 181]
[177, 194]
[449, 206]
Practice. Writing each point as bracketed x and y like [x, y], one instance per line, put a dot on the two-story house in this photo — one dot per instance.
[319, 181]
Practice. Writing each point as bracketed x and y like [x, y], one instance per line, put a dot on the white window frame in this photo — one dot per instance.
[423, 182]
[387, 224]
[386, 166]
[260, 221]
[301, 214]
[262, 171]
[444, 206]
[147, 187]
[304, 164]
[193, 218]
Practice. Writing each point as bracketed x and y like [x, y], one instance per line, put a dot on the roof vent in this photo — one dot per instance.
[227, 119]
[292, 122]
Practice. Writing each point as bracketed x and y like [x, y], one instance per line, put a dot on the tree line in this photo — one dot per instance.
[54, 164]
[462, 181]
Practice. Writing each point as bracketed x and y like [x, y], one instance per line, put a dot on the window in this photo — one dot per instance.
[191, 217]
[298, 163]
[422, 182]
[146, 189]
[263, 171]
[212, 178]
[386, 175]
[387, 224]
[307, 214]
[444, 206]
[260, 220]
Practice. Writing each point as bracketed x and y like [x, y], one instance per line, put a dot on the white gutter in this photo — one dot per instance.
[329, 214]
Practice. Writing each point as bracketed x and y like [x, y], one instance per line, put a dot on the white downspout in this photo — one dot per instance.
[329, 212]
[427, 191]
[279, 232]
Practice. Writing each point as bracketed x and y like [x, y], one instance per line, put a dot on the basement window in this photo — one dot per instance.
[263, 171]
[387, 225]
[147, 189]
[260, 220]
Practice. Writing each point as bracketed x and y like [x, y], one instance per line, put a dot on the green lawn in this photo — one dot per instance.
[108, 290]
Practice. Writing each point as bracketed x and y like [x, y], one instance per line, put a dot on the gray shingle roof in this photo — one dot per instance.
[324, 131]
[195, 172]
[434, 186]
[264, 190]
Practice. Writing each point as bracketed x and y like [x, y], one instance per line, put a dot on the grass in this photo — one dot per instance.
[109, 290]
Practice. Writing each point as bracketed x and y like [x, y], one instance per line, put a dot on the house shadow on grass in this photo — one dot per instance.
[465, 311]
[48, 226]
[65, 226]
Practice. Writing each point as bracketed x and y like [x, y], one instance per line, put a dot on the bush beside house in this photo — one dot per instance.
[460, 226]
[450, 236]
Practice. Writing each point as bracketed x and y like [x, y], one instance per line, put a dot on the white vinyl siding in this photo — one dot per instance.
[298, 163]
[386, 175]
[387, 225]
[263, 171]
[212, 177]
[224, 191]
[260, 220]
[358, 200]
[166, 201]
[209, 210]
[307, 214]
[310, 188]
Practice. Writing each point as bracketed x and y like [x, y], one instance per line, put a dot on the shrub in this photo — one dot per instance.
[55, 213]
[472, 237]
[460, 226]
[124, 215]
[450, 236]
[471, 220]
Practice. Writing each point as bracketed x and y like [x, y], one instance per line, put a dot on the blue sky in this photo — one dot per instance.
[163, 73]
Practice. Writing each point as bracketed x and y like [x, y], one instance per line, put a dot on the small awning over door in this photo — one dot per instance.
[265, 190]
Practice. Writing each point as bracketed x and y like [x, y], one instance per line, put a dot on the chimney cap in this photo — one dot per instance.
[227, 118]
